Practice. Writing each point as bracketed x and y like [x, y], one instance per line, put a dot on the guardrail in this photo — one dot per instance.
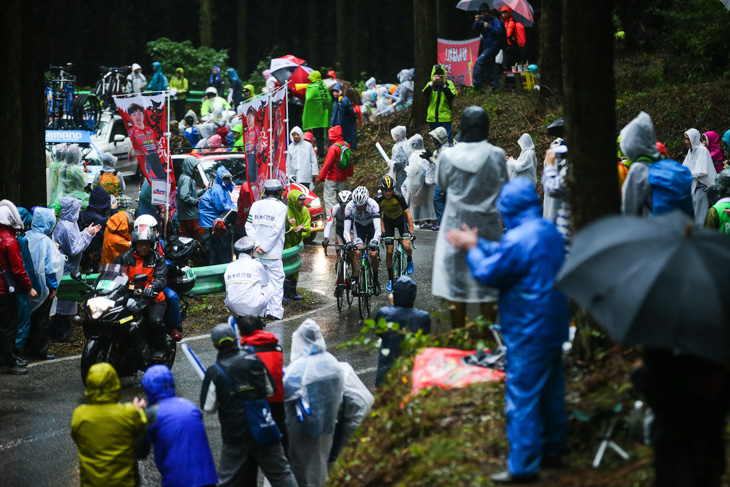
[208, 279]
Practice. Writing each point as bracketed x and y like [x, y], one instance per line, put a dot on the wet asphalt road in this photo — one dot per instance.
[35, 410]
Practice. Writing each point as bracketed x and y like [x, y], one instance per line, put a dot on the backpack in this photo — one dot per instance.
[345, 161]
[671, 187]
[520, 35]
[110, 183]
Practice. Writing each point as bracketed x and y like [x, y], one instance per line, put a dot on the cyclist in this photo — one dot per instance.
[337, 216]
[365, 213]
[395, 215]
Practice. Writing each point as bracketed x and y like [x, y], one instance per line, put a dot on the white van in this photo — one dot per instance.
[111, 136]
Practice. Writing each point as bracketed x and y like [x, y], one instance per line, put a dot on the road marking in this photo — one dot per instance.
[31, 439]
[365, 371]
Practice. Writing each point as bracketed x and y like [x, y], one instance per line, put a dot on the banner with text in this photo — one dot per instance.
[459, 58]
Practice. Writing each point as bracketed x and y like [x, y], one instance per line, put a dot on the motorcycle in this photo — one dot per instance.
[113, 324]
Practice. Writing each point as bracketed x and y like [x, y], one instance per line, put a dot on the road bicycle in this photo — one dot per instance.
[343, 281]
[400, 258]
[112, 82]
[365, 285]
[64, 109]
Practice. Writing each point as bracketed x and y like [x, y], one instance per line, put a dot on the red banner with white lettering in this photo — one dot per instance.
[459, 58]
[145, 118]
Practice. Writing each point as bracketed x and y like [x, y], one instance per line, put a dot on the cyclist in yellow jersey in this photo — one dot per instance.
[395, 214]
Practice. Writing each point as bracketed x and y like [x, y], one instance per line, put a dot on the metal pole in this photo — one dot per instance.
[286, 121]
[271, 140]
[169, 164]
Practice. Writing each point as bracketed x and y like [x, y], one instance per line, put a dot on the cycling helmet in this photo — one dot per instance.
[360, 195]
[386, 182]
[344, 197]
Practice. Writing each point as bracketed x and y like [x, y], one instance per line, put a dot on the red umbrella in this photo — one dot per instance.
[283, 67]
[300, 76]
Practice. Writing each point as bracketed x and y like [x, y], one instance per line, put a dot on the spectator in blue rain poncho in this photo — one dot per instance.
[534, 318]
[236, 96]
[23, 299]
[213, 204]
[159, 81]
[313, 387]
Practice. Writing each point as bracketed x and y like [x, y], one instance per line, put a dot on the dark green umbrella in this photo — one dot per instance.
[658, 282]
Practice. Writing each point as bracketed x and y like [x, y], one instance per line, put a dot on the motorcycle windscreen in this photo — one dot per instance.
[111, 277]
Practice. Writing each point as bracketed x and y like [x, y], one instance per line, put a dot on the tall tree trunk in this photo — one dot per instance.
[121, 22]
[313, 58]
[241, 42]
[206, 23]
[551, 62]
[442, 24]
[22, 119]
[358, 43]
[424, 55]
[341, 39]
[590, 110]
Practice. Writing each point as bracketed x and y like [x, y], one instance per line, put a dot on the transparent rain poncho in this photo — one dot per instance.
[399, 155]
[699, 162]
[47, 259]
[526, 164]
[419, 195]
[71, 176]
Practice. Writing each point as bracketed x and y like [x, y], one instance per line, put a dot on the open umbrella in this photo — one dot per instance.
[298, 77]
[283, 67]
[657, 282]
[521, 9]
[557, 128]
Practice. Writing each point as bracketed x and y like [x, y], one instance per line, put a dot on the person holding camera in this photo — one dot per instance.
[490, 28]
[441, 92]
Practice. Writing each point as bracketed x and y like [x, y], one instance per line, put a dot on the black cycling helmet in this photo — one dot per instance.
[386, 182]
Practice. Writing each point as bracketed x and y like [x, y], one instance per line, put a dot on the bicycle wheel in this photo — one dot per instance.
[396, 265]
[87, 112]
[348, 286]
[368, 298]
[363, 294]
[340, 284]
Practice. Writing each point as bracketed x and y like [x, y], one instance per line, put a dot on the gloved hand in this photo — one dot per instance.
[149, 293]
[325, 242]
[349, 247]
[413, 237]
[374, 243]
[426, 154]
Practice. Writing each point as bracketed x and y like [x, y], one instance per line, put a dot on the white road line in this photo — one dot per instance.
[31, 439]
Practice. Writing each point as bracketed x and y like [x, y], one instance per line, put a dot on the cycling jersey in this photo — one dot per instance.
[336, 214]
[367, 217]
[393, 208]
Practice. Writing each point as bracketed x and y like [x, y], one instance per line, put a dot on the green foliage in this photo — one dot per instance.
[696, 34]
[197, 62]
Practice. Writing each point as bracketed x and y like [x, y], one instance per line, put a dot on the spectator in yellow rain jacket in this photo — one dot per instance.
[108, 434]
[300, 222]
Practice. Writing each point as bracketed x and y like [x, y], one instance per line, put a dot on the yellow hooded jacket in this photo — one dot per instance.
[105, 430]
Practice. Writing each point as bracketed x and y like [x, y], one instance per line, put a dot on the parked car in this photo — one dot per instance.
[111, 136]
[235, 162]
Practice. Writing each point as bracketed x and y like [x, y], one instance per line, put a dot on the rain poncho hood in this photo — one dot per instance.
[370, 83]
[526, 164]
[404, 292]
[158, 383]
[398, 133]
[73, 155]
[189, 164]
[214, 78]
[441, 135]
[232, 75]
[215, 141]
[70, 209]
[250, 88]
[416, 142]
[99, 201]
[10, 216]
[713, 145]
[315, 76]
[159, 81]
[726, 139]
[216, 200]
[307, 340]
[518, 202]
[474, 125]
[109, 162]
[300, 215]
[102, 384]
[44, 219]
[47, 259]
[207, 130]
[638, 138]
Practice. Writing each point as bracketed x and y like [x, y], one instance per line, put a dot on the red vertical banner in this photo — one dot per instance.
[459, 58]
[280, 135]
[254, 116]
[145, 118]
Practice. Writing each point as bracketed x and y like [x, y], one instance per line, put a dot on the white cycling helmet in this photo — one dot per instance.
[360, 196]
[344, 197]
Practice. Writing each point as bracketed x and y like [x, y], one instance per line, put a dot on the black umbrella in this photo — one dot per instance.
[556, 129]
[657, 282]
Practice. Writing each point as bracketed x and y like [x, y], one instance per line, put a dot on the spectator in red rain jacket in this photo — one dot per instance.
[334, 178]
[510, 52]
[11, 265]
[266, 346]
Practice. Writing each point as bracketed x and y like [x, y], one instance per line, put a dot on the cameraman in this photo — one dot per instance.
[441, 93]
[489, 27]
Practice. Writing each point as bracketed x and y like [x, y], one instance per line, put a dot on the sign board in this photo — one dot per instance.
[459, 58]
[68, 137]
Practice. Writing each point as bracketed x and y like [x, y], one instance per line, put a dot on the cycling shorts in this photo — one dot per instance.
[364, 234]
[401, 224]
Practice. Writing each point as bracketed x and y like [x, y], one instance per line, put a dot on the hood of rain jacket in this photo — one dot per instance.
[217, 200]
[416, 142]
[116, 237]
[43, 221]
[70, 208]
[102, 384]
[474, 125]
[100, 201]
[441, 135]
[109, 162]
[307, 340]
[335, 135]
[404, 292]
[73, 155]
[158, 383]
[638, 138]
[301, 215]
[518, 203]
[398, 133]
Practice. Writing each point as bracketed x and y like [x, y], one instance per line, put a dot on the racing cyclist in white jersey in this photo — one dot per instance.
[365, 213]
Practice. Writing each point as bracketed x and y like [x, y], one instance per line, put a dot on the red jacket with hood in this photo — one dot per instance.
[267, 347]
[330, 170]
[11, 260]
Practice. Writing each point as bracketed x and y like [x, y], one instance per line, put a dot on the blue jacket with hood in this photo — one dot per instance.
[159, 81]
[216, 200]
[175, 428]
[408, 318]
[523, 266]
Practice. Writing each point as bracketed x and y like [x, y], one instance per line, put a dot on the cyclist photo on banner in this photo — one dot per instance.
[146, 120]
[364, 212]
[395, 214]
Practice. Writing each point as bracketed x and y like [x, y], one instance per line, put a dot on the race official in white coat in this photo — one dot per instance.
[248, 292]
[267, 224]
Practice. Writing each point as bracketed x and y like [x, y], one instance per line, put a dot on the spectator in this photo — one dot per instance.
[409, 319]
[252, 144]
[356, 402]
[313, 387]
[440, 138]
[179, 144]
[249, 374]
[317, 108]
[236, 90]
[248, 291]
[117, 236]
[109, 178]
[248, 92]
[472, 174]
[440, 92]
[266, 347]
[71, 175]
[159, 80]
[333, 174]
[488, 26]
[71, 242]
[191, 130]
[23, 299]
[215, 204]
[718, 216]
[108, 434]
[237, 131]
[404, 91]
[144, 204]
[267, 223]
[699, 162]
[97, 213]
[726, 144]
[653, 185]
[206, 130]
[301, 161]
[526, 164]
[179, 84]
[711, 140]
[419, 192]
[15, 280]
[53, 183]
[343, 114]
[48, 263]
[136, 79]
[554, 183]
[188, 198]
[510, 52]
[534, 318]
[215, 80]
[175, 428]
[399, 156]
[300, 227]
[212, 101]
